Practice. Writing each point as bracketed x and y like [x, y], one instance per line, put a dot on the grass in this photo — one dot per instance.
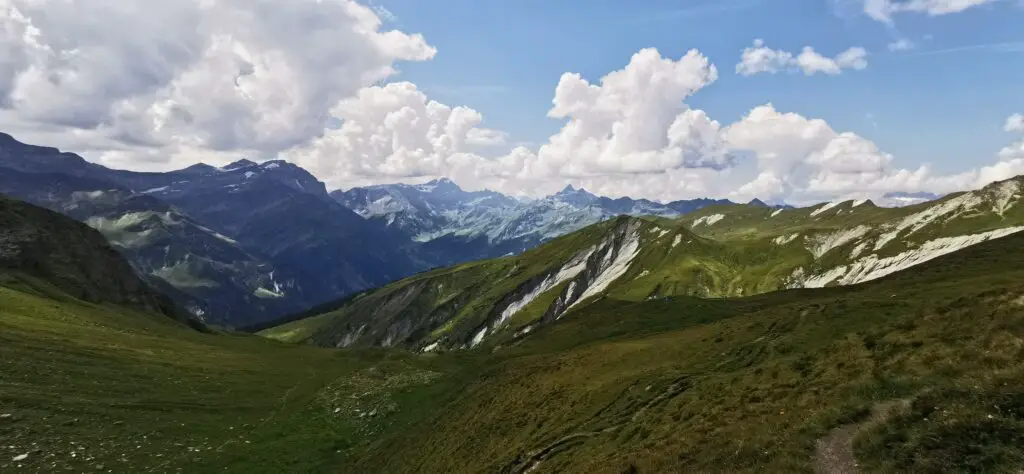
[97, 387]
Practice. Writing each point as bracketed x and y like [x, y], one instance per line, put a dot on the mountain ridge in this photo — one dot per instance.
[720, 251]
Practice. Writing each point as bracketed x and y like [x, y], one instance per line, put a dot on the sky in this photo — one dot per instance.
[795, 101]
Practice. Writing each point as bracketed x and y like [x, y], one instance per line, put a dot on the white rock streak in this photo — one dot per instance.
[821, 244]
[1006, 195]
[785, 239]
[824, 208]
[871, 267]
[627, 252]
[708, 220]
[947, 210]
[569, 271]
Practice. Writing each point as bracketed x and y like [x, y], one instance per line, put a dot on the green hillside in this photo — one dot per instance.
[719, 251]
[753, 384]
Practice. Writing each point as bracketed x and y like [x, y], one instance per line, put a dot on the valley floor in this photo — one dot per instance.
[681, 384]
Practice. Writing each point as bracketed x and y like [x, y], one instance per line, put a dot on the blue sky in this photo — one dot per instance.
[928, 104]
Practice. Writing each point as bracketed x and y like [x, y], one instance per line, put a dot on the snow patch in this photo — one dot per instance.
[87, 195]
[642, 274]
[821, 244]
[271, 166]
[708, 220]
[859, 202]
[218, 235]
[675, 241]
[775, 213]
[432, 347]
[155, 190]
[262, 292]
[249, 174]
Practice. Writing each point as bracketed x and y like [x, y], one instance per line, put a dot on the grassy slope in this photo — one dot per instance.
[90, 385]
[750, 384]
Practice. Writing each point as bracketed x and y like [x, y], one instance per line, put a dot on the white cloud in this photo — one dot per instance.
[229, 75]
[1014, 123]
[882, 10]
[797, 155]
[761, 59]
[395, 131]
[486, 137]
[634, 121]
[901, 44]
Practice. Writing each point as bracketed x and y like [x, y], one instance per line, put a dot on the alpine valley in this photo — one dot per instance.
[248, 243]
[738, 338]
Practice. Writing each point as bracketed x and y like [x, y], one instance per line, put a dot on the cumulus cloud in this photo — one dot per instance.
[800, 155]
[882, 10]
[762, 59]
[394, 131]
[1014, 123]
[633, 121]
[257, 75]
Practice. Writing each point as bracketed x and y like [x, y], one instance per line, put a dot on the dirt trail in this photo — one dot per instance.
[834, 452]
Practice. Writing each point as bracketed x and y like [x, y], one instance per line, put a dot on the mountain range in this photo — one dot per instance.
[486, 224]
[247, 243]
